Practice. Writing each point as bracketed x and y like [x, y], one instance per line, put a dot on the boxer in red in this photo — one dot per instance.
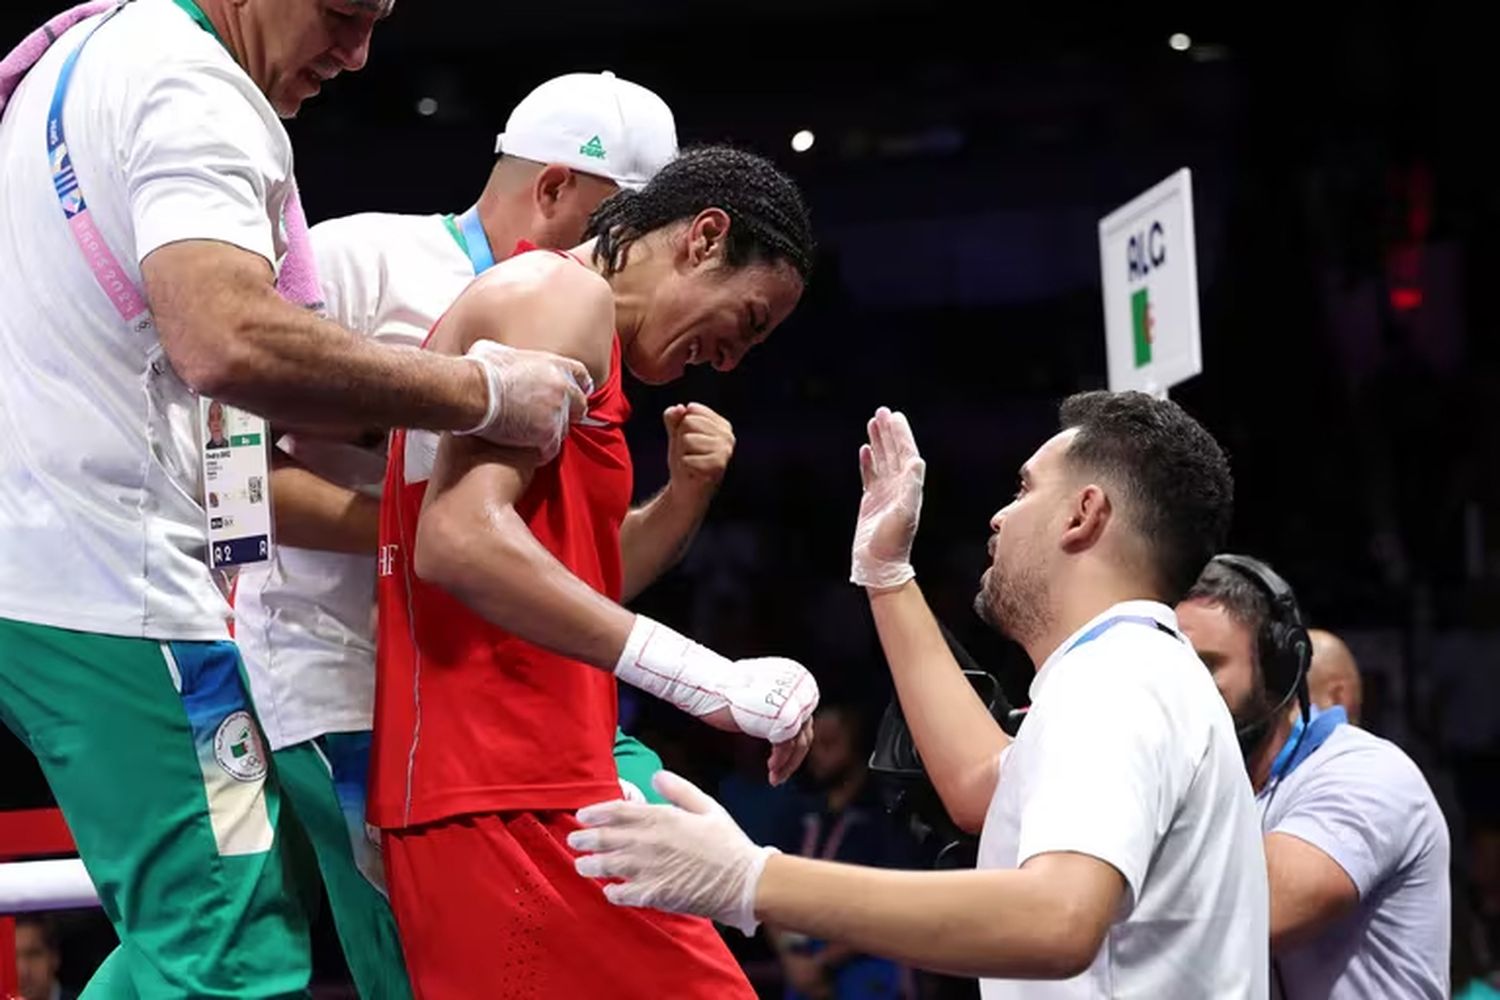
[501, 637]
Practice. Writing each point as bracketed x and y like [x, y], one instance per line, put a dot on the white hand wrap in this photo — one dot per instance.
[769, 697]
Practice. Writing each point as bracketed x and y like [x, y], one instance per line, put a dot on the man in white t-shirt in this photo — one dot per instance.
[1119, 854]
[1356, 847]
[139, 229]
[303, 622]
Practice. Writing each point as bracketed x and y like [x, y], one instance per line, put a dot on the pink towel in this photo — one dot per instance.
[25, 55]
[298, 281]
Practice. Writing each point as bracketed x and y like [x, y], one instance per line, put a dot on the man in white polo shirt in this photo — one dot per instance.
[1356, 846]
[303, 623]
[1119, 852]
[147, 178]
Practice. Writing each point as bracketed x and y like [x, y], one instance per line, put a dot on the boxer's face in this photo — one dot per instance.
[1227, 648]
[703, 311]
[291, 47]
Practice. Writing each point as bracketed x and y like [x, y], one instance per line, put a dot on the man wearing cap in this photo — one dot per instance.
[304, 623]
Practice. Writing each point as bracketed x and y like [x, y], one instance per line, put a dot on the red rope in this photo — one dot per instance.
[30, 833]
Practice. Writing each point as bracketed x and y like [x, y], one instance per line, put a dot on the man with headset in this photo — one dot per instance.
[1356, 846]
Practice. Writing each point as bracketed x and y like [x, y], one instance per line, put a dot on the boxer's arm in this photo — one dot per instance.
[470, 540]
[959, 740]
[472, 543]
[655, 536]
[312, 513]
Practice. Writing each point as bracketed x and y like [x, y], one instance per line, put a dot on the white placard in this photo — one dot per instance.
[1148, 255]
[236, 484]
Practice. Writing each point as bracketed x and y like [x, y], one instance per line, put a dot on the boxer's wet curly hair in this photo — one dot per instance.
[768, 220]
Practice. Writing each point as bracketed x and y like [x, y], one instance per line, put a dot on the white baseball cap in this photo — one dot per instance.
[596, 124]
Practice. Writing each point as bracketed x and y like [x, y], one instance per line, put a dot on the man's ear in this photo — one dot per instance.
[1087, 517]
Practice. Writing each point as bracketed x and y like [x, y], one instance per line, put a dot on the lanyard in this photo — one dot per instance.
[1110, 623]
[1104, 627]
[468, 232]
[122, 293]
[117, 286]
[1304, 739]
[236, 473]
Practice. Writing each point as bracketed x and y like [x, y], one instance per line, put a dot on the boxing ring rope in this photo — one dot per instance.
[29, 886]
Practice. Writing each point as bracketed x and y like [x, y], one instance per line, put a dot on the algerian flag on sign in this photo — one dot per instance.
[1140, 321]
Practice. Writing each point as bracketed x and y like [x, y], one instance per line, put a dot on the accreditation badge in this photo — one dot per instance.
[236, 484]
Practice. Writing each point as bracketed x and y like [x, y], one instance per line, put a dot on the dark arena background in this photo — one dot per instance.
[960, 159]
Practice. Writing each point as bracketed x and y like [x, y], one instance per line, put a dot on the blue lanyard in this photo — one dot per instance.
[1305, 739]
[476, 244]
[107, 270]
[1110, 623]
[63, 177]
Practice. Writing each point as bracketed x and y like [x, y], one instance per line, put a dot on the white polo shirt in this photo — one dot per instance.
[304, 622]
[101, 523]
[1360, 800]
[1128, 755]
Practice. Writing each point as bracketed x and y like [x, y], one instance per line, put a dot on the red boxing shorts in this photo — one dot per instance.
[489, 907]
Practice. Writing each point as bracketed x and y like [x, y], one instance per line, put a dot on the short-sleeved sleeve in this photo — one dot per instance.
[1105, 777]
[348, 268]
[202, 162]
[1351, 808]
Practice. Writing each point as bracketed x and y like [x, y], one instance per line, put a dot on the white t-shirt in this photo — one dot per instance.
[101, 522]
[1128, 755]
[1360, 800]
[304, 622]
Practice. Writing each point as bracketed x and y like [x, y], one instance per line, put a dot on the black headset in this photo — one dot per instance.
[1282, 643]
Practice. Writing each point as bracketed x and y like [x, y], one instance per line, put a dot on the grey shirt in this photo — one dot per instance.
[1360, 800]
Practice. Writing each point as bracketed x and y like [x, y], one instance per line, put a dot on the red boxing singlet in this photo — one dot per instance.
[469, 718]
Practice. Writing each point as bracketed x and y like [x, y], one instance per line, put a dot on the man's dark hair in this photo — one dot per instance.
[1173, 474]
[1248, 605]
[46, 929]
[1231, 590]
[768, 220]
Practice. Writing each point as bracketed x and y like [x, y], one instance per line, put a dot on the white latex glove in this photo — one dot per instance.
[892, 471]
[533, 396]
[688, 857]
[769, 697]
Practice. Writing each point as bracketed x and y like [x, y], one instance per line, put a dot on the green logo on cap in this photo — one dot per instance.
[593, 148]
